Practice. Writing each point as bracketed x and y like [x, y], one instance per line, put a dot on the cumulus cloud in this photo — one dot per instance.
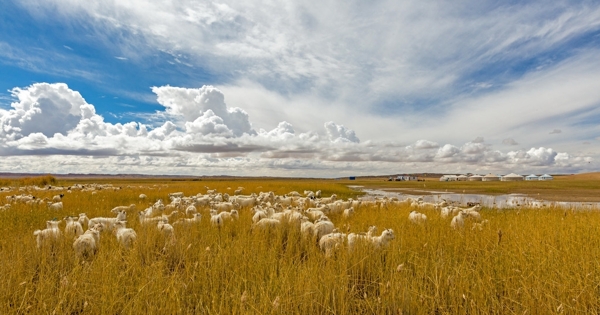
[205, 109]
[339, 133]
[44, 108]
[194, 137]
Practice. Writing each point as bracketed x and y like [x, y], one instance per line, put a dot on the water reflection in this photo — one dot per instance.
[498, 201]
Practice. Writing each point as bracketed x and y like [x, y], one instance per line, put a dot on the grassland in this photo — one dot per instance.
[528, 261]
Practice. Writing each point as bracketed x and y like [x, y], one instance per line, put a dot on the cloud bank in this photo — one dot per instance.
[51, 128]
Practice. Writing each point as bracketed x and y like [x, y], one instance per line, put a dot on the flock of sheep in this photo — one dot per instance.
[309, 212]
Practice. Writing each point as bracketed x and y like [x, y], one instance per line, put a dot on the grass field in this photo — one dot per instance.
[526, 261]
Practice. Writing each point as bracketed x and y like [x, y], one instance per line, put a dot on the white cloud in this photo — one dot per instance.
[200, 106]
[339, 133]
[208, 145]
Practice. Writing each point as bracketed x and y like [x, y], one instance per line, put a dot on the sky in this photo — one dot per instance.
[299, 88]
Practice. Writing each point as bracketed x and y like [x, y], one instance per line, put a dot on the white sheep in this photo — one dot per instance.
[479, 226]
[322, 227]
[125, 236]
[383, 239]
[266, 223]
[458, 222]
[86, 245]
[72, 227]
[143, 196]
[116, 209]
[49, 234]
[354, 238]
[58, 198]
[108, 222]
[307, 229]
[83, 219]
[57, 206]
[331, 242]
[167, 230]
[175, 195]
[417, 218]
[259, 214]
[216, 220]
[185, 221]
[190, 210]
[476, 216]
[348, 213]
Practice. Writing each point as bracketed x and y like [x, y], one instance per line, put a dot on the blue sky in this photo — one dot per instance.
[299, 89]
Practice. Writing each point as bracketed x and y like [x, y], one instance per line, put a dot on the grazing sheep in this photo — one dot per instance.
[216, 219]
[322, 227]
[72, 227]
[476, 216]
[348, 213]
[195, 219]
[417, 218]
[167, 230]
[58, 198]
[57, 206]
[458, 222]
[383, 239]
[259, 214]
[318, 194]
[479, 226]
[108, 222]
[331, 242]
[50, 233]
[238, 191]
[83, 219]
[190, 210]
[354, 238]
[86, 245]
[175, 195]
[266, 223]
[116, 209]
[307, 229]
[143, 197]
[125, 236]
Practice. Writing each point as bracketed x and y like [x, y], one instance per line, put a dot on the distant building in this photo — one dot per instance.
[532, 177]
[462, 178]
[406, 178]
[352, 178]
[475, 178]
[490, 178]
[512, 177]
[448, 178]
[545, 177]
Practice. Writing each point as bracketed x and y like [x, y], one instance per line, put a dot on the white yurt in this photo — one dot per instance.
[462, 178]
[546, 177]
[512, 177]
[490, 178]
[448, 178]
[475, 178]
[531, 177]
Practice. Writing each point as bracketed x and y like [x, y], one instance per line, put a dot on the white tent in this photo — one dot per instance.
[448, 178]
[490, 178]
[546, 177]
[531, 177]
[511, 177]
[462, 178]
[475, 178]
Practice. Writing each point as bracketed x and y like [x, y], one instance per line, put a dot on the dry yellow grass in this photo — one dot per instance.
[527, 261]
